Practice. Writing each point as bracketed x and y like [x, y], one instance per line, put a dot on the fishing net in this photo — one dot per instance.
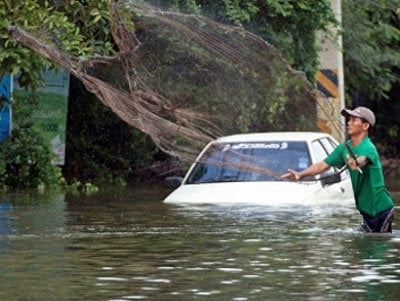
[185, 79]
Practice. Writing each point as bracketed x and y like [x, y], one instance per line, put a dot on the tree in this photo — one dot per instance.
[83, 28]
[26, 158]
[371, 42]
[289, 25]
[80, 29]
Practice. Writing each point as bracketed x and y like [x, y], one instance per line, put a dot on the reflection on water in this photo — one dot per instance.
[128, 245]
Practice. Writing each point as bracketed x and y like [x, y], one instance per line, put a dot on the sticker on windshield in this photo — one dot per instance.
[284, 145]
[226, 147]
[256, 145]
[303, 163]
[259, 145]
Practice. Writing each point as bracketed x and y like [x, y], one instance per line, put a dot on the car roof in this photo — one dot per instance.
[272, 136]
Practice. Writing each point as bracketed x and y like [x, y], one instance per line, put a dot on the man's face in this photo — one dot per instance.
[356, 125]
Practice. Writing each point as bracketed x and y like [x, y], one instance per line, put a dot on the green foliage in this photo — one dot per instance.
[371, 41]
[289, 25]
[240, 11]
[82, 28]
[26, 160]
[79, 29]
[103, 147]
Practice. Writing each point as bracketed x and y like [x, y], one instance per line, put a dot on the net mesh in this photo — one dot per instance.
[185, 79]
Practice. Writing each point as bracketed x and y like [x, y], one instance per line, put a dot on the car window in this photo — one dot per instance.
[249, 161]
[328, 145]
[319, 151]
[334, 143]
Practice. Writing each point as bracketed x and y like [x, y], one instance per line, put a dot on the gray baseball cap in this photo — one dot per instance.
[361, 112]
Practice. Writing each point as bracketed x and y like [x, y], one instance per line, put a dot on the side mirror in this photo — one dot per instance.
[331, 179]
[173, 181]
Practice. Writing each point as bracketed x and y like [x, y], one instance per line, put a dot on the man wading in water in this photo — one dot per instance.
[360, 154]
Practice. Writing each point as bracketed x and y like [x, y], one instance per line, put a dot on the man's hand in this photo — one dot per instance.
[362, 161]
[291, 175]
[357, 163]
[313, 170]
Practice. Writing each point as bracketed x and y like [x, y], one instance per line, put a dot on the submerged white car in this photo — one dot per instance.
[246, 168]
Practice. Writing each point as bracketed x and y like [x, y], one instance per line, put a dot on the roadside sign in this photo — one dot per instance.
[51, 115]
[5, 106]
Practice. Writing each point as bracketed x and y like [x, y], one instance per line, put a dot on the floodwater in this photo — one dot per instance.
[125, 244]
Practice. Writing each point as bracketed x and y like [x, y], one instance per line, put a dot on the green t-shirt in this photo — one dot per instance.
[370, 192]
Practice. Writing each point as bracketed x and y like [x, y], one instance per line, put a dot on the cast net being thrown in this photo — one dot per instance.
[185, 79]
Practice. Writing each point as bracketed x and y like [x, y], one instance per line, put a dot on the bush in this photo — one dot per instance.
[26, 160]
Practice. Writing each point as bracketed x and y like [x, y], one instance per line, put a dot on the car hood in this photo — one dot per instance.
[262, 193]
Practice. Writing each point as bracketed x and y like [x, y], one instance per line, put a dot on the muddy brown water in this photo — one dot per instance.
[125, 244]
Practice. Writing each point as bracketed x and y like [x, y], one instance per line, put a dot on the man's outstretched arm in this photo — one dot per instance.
[313, 170]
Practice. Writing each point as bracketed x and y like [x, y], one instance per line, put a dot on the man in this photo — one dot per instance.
[360, 154]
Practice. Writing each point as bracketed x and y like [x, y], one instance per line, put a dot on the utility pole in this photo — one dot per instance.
[330, 80]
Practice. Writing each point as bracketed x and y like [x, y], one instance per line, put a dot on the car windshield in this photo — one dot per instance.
[249, 161]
